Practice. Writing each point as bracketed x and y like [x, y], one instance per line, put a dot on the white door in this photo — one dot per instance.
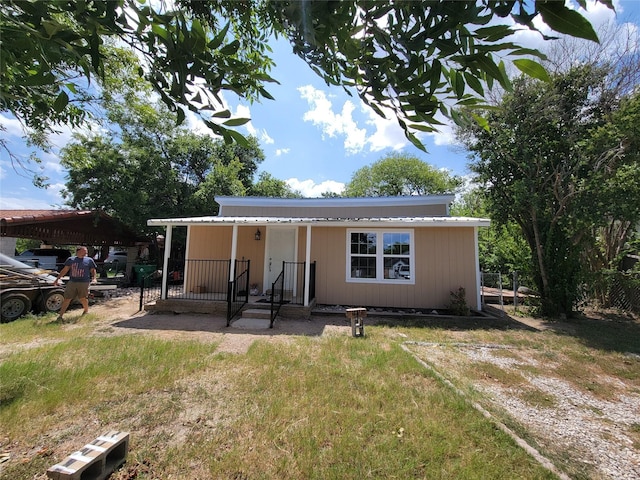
[281, 247]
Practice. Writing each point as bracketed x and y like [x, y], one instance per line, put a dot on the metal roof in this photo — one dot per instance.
[66, 227]
[327, 222]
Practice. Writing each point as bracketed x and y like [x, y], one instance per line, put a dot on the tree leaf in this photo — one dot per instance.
[236, 122]
[564, 20]
[61, 102]
[531, 68]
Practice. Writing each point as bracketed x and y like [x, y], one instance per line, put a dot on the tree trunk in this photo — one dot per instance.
[540, 255]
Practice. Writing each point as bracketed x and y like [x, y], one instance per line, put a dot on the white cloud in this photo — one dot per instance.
[599, 14]
[12, 126]
[196, 125]
[387, 133]
[20, 203]
[243, 111]
[310, 188]
[23, 199]
[282, 151]
[333, 124]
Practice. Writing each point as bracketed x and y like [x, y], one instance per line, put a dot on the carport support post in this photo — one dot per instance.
[165, 262]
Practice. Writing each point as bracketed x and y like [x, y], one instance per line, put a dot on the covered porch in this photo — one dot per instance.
[209, 292]
[235, 265]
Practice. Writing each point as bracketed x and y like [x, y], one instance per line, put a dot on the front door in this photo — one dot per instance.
[281, 247]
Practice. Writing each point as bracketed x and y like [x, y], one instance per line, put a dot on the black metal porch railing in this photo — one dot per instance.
[209, 280]
[290, 285]
[238, 290]
[277, 299]
[204, 280]
[293, 282]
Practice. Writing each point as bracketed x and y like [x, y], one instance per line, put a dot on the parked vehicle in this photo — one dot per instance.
[404, 272]
[24, 288]
[43, 257]
[116, 262]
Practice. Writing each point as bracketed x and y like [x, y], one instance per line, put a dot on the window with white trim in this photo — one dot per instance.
[380, 256]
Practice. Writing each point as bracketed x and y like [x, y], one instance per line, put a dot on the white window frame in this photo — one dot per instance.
[380, 255]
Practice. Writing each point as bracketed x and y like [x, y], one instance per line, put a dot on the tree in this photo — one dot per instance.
[400, 174]
[269, 186]
[147, 163]
[409, 58]
[613, 215]
[538, 172]
[501, 247]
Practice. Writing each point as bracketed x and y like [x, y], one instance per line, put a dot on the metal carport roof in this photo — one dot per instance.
[67, 227]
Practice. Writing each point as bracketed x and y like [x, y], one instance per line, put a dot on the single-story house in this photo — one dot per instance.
[401, 252]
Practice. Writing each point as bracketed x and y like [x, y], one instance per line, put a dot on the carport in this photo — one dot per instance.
[93, 228]
[67, 227]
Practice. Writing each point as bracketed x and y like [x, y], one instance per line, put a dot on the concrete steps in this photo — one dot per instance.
[253, 318]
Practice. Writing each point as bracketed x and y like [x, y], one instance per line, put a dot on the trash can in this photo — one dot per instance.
[142, 272]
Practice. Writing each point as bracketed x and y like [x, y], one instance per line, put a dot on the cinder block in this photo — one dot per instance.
[95, 461]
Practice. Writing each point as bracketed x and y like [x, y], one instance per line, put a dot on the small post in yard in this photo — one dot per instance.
[357, 315]
[515, 290]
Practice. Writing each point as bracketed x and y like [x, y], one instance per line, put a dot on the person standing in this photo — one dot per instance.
[82, 270]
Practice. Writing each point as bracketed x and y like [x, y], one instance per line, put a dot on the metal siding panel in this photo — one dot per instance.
[336, 211]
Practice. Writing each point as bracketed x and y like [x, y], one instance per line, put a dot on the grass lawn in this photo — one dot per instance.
[300, 407]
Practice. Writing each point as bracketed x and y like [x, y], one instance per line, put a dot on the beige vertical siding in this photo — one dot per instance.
[214, 243]
[251, 249]
[444, 261]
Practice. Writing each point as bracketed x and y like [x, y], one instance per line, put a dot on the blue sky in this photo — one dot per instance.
[313, 136]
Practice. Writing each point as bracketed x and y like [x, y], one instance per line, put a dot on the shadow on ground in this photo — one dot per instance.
[317, 325]
[607, 330]
[182, 322]
[610, 330]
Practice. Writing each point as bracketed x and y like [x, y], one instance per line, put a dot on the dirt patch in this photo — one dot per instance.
[597, 431]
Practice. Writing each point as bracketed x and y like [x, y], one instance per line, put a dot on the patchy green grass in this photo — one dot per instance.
[295, 407]
[301, 407]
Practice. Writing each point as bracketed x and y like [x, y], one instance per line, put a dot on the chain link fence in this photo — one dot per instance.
[619, 290]
[500, 288]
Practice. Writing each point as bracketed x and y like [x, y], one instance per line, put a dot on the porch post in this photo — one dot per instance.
[307, 269]
[234, 253]
[165, 262]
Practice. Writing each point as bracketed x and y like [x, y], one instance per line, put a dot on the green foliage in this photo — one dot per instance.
[53, 51]
[400, 174]
[501, 247]
[403, 58]
[458, 303]
[543, 169]
[613, 214]
[269, 186]
[162, 170]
